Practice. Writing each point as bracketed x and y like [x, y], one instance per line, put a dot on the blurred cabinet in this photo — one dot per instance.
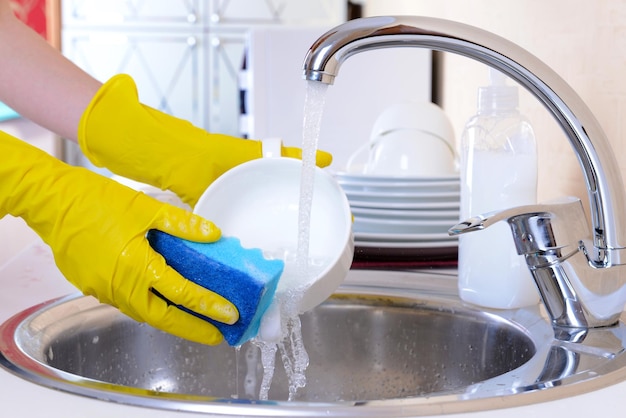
[129, 14]
[255, 12]
[162, 44]
[185, 55]
[167, 67]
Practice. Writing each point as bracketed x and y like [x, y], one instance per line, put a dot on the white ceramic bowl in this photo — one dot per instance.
[258, 202]
[408, 139]
[410, 153]
[420, 116]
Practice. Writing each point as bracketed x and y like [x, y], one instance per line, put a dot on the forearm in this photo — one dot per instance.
[37, 81]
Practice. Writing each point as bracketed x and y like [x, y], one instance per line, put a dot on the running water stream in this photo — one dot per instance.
[313, 110]
[291, 347]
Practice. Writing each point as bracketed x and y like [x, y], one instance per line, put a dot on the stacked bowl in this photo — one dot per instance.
[403, 186]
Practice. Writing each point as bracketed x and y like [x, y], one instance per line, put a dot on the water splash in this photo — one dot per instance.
[294, 356]
[314, 100]
[250, 380]
[268, 360]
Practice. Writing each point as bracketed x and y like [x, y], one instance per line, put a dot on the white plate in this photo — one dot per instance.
[410, 244]
[404, 196]
[408, 214]
[379, 225]
[379, 180]
[373, 185]
[376, 204]
[395, 237]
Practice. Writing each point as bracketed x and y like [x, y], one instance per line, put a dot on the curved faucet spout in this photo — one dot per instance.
[603, 179]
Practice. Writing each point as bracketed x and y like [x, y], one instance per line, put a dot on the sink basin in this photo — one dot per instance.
[405, 348]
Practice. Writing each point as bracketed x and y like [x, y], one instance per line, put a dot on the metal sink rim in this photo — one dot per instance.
[522, 390]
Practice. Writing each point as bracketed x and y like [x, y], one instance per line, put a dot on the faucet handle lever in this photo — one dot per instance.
[537, 228]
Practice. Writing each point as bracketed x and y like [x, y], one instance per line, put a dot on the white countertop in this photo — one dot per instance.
[32, 277]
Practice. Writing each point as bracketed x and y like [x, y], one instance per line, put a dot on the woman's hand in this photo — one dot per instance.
[97, 231]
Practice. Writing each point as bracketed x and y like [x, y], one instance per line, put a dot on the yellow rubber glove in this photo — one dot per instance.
[146, 145]
[96, 229]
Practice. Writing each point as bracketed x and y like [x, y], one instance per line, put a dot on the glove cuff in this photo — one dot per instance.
[133, 140]
[118, 90]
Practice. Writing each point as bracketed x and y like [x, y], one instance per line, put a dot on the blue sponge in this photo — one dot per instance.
[241, 275]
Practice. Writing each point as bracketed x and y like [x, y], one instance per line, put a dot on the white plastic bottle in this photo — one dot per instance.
[498, 171]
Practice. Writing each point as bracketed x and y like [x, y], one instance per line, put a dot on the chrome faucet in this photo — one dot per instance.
[577, 269]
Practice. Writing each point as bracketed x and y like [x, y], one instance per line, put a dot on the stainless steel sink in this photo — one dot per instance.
[386, 344]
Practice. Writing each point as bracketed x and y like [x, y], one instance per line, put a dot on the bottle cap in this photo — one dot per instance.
[498, 96]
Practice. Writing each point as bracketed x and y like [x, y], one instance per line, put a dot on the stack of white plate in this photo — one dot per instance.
[402, 212]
